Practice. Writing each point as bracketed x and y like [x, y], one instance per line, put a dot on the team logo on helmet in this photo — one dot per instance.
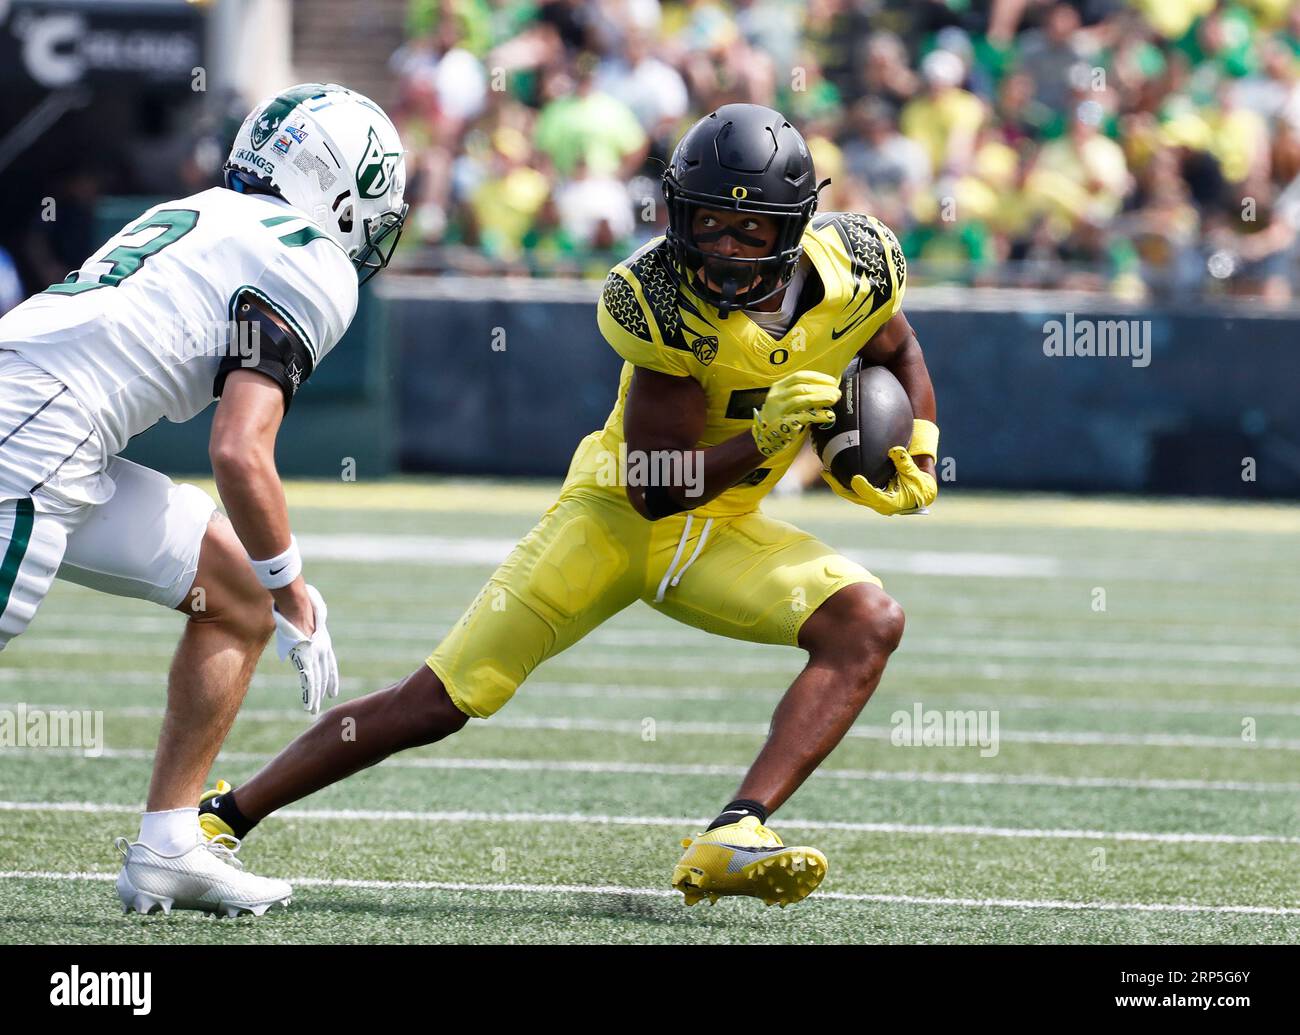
[267, 123]
[375, 173]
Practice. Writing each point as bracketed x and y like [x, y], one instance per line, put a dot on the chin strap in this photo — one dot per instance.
[728, 298]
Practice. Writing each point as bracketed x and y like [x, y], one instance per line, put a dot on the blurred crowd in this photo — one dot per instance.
[1148, 148]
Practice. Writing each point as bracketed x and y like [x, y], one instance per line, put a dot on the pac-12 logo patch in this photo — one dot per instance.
[705, 348]
[375, 172]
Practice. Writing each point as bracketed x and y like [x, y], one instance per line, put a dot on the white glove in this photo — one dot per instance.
[312, 656]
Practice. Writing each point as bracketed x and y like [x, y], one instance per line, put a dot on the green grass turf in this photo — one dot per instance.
[651, 719]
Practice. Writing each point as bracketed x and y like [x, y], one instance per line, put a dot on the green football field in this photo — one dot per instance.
[1141, 660]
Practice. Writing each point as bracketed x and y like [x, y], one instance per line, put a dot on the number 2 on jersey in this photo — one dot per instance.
[126, 258]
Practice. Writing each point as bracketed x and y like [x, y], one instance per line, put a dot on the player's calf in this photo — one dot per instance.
[849, 639]
[418, 711]
[229, 624]
[348, 738]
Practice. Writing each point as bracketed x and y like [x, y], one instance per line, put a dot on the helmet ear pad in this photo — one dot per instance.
[343, 211]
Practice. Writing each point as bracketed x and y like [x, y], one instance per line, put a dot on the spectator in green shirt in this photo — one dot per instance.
[587, 126]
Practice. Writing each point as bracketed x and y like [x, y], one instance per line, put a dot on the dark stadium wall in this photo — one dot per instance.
[518, 408]
[1218, 388]
[450, 377]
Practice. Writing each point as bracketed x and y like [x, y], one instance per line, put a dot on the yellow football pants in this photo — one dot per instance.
[750, 577]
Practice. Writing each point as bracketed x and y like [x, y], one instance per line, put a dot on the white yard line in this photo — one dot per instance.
[137, 677]
[669, 635]
[1178, 664]
[1076, 738]
[616, 889]
[1028, 702]
[457, 551]
[636, 727]
[400, 622]
[528, 765]
[585, 819]
[963, 671]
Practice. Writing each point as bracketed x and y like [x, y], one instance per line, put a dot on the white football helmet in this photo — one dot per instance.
[334, 154]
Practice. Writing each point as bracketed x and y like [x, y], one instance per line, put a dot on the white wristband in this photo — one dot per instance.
[277, 572]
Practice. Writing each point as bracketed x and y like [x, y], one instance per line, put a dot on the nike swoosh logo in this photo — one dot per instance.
[276, 571]
[752, 849]
[837, 334]
[868, 296]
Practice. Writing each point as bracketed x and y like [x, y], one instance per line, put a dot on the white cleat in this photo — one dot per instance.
[208, 877]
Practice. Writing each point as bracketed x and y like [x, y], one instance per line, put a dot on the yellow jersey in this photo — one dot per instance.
[653, 322]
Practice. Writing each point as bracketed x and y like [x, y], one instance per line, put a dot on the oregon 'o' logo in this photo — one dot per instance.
[779, 356]
[739, 193]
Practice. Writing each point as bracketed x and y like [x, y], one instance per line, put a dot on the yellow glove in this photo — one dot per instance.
[910, 490]
[792, 404]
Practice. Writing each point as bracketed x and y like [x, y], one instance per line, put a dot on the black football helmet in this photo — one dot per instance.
[743, 158]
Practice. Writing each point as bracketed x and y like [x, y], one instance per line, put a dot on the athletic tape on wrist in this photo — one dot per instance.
[925, 439]
[277, 572]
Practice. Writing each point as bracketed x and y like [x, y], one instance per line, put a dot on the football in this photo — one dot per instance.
[872, 416]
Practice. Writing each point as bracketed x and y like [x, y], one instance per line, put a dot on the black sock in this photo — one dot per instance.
[224, 808]
[738, 810]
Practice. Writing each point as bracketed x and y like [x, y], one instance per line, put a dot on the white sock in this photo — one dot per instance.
[173, 832]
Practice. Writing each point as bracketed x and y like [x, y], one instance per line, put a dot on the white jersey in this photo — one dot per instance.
[138, 333]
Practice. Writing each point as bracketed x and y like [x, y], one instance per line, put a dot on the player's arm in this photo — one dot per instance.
[255, 393]
[896, 348]
[242, 451]
[668, 413]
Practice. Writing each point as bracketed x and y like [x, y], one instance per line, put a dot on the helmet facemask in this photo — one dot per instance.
[382, 234]
[743, 282]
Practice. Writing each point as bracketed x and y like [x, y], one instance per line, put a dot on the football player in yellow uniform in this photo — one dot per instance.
[735, 328]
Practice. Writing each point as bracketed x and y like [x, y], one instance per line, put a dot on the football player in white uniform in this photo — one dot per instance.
[235, 293]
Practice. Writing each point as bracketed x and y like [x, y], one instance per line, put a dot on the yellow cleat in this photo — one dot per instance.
[212, 825]
[746, 858]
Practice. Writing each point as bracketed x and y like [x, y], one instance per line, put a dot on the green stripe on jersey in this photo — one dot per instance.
[304, 236]
[24, 510]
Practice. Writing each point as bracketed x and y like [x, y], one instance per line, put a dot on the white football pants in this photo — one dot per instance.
[69, 511]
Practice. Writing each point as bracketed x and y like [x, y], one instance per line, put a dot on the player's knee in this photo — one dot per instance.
[225, 590]
[425, 709]
[249, 618]
[884, 623]
[860, 626]
[256, 621]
